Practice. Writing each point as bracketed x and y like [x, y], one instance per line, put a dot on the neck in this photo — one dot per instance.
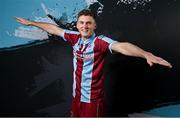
[85, 38]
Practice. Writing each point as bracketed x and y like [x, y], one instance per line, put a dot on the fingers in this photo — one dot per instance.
[165, 63]
[150, 63]
[159, 61]
[152, 59]
[18, 19]
[22, 21]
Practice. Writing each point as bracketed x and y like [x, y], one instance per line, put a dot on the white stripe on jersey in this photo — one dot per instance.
[74, 76]
[109, 40]
[68, 31]
[87, 76]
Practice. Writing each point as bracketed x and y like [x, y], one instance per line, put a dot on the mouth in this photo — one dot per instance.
[84, 30]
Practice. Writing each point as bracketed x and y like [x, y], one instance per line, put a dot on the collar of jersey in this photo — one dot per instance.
[91, 38]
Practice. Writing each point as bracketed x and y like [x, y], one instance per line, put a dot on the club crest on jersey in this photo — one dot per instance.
[83, 56]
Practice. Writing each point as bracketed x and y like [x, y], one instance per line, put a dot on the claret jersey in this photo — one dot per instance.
[88, 63]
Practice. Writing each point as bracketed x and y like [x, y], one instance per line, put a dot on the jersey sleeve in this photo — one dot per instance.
[106, 43]
[70, 36]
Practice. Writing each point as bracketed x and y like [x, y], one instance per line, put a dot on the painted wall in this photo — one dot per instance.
[14, 34]
[36, 68]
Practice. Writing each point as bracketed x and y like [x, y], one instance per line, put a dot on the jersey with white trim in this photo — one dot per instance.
[88, 63]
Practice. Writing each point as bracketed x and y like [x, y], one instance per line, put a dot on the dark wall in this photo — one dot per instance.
[132, 86]
[36, 80]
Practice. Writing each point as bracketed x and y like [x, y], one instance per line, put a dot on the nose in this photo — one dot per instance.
[85, 25]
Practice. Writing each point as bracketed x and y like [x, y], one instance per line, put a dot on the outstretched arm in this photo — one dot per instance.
[50, 28]
[132, 50]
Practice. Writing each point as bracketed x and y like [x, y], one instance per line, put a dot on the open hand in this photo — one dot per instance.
[152, 59]
[23, 21]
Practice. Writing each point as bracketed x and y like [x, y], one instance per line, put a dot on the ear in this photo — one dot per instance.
[95, 26]
[76, 25]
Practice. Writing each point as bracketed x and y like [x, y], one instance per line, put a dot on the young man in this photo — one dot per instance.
[89, 51]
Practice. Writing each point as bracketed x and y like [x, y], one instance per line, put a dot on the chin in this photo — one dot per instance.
[85, 36]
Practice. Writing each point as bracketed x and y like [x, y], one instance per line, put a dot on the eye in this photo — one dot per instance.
[81, 22]
[89, 23]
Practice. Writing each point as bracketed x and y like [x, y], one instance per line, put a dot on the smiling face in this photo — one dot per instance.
[86, 26]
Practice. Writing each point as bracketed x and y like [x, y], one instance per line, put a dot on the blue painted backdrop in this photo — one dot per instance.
[33, 10]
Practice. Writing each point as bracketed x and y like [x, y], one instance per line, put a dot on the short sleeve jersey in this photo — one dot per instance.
[88, 63]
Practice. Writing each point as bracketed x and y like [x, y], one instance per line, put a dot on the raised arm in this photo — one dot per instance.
[132, 50]
[50, 28]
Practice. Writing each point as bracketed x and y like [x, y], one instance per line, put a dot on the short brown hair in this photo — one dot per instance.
[87, 12]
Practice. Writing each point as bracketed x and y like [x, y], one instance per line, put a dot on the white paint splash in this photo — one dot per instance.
[31, 33]
[100, 9]
[101, 6]
[134, 3]
[45, 19]
[8, 33]
[38, 34]
[34, 32]
[44, 8]
[90, 2]
[50, 11]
